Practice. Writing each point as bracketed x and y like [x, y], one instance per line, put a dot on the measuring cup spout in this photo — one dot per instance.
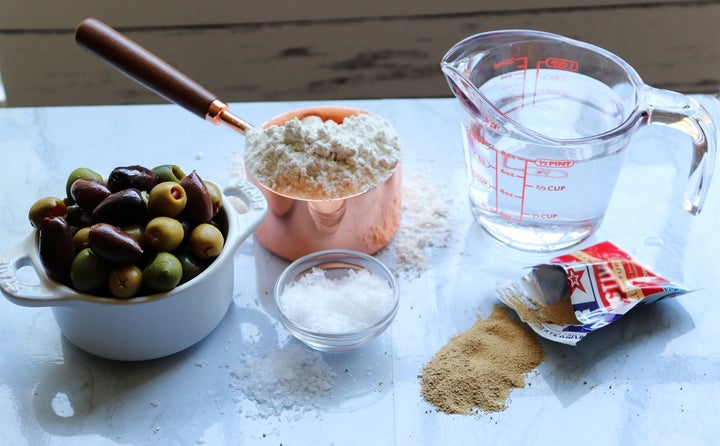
[470, 98]
[473, 102]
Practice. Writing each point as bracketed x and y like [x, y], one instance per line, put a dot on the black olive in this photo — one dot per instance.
[199, 207]
[131, 177]
[121, 208]
[113, 245]
[56, 247]
[88, 193]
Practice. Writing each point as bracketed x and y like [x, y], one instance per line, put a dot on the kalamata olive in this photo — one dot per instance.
[206, 241]
[113, 245]
[121, 208]
[88, 193]
[131, 177]
[46, 207]
[163, 273]
[125, 281]
[169, 172]
[215, 196]
[199, 205]
[164, 233]
[80, 172]
[80, 238]
[167, 198]
[78, 217]
[191, 266]
[56, 248]
[89, 273]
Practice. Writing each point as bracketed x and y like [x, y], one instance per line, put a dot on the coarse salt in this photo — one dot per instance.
[336, 305]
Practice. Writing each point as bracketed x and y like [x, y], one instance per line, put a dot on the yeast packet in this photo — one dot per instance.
[583, 291]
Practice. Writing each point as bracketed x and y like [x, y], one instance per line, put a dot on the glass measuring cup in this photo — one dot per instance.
[546, 120]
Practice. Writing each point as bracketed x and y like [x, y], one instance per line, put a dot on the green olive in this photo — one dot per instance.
[89, 273]
[163, 273]
[206, 241]
[80, 172]
[78, 216]
[46, 207]
[167, 198]
[80, 238]
[137, 232]
[164, 233]
[191, 265]
[169, 172]
[215, 196]
[125, 281]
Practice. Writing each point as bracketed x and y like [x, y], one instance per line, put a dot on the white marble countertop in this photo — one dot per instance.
[651, 378]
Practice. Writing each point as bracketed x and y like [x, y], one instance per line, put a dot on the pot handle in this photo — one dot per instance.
[250, 210]
[18, 288]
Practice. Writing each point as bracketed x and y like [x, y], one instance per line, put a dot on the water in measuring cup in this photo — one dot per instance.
[539, 196]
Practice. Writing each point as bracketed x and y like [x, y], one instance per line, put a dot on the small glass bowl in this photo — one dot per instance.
[336, 263]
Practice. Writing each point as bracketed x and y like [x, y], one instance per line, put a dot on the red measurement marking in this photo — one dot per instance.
[555, 63]
[539, 216]
[563, 164]
[551, 173]
[483, 161]
[482, 180]
[545, 188]
[519, 62]
[497, 181]
[507, 173]
[558, 64]
[522, 200]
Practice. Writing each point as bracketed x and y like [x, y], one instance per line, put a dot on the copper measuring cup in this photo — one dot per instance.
[293, 227]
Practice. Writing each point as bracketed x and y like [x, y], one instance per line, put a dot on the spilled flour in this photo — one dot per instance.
[424, 225]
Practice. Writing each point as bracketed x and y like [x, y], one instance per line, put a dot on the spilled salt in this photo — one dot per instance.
[336, 304]
[292, 378]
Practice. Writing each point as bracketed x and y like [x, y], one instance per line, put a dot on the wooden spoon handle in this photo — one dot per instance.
[142, 66]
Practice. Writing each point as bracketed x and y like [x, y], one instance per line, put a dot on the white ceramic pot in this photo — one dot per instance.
[144, 327]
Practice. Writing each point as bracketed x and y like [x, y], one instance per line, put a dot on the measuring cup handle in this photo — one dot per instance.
[143, 66]
[683, 113]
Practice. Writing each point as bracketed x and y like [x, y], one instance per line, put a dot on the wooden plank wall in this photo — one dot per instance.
[253, 50]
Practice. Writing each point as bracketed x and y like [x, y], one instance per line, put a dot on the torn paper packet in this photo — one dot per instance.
[578, 293]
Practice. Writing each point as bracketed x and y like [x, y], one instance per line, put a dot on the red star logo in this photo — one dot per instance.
[575, 280]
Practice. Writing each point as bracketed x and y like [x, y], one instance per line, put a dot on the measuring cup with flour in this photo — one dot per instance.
[331, 175]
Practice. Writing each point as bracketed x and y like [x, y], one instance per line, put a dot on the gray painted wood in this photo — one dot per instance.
[276, 53]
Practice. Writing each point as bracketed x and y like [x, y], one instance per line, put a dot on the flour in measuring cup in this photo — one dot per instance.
[312, 159]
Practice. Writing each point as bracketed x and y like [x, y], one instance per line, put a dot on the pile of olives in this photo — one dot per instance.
[139, 232]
